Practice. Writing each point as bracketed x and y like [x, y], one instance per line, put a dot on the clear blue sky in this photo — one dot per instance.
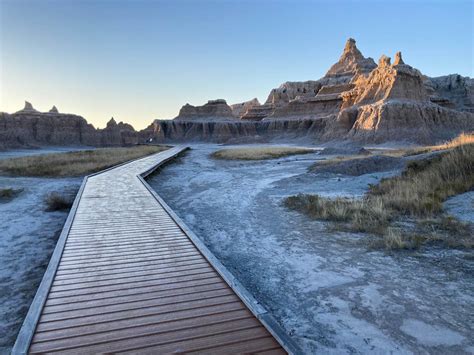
[141, 60]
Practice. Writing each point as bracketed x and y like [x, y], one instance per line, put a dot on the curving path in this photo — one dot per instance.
[128, 276]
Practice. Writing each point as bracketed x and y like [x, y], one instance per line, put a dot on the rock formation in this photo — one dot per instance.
[54, 110]
[28, 108]
[350, 63]
[315, 98]
[240, 109]
[392, 103]
[214, 110]
[31, 128]
[398, 59]
[452, 91]
[356, 99]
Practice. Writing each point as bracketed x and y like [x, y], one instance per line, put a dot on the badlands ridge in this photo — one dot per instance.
[357, 100]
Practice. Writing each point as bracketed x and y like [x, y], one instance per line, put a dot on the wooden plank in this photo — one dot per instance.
[67, 343]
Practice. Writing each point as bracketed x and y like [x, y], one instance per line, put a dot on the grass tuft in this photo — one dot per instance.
[9, 194]
[74, 163]
[259, 153]
[58, 202]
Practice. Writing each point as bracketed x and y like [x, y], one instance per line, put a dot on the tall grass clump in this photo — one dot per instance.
[55, 201]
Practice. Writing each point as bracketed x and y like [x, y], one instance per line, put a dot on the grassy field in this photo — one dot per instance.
[73, 163]
[258, 153]
[417, 195]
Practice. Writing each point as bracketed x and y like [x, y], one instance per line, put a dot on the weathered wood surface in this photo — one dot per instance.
[130, 280]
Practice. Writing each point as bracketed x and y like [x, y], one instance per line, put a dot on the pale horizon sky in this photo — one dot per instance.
[142, 60]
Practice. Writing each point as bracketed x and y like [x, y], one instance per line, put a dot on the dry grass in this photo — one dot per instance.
[417, 194]
[73, 163]
[259, 153]
[462, 139]
[359, 215]
[425, 184]
[58, 202]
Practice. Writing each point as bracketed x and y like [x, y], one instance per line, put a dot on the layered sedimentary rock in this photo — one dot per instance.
[214, 110]
[237, 131]
[453, 91]
[29, 127]
[240, 109]
[350, 63]
[360, 100]
[118, 134]
[392, 103]
[317, 98]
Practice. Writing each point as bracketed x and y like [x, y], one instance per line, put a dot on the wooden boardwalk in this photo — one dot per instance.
[128, 276]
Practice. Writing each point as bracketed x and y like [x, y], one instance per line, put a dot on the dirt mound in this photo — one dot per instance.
[359, 166]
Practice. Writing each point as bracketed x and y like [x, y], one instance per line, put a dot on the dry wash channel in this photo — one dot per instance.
[128, 276]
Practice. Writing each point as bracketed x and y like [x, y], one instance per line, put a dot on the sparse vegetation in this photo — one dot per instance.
[417, 195]
[9, 194]
[462, 139]
[73, 163]
[259, 153]
[55, 201]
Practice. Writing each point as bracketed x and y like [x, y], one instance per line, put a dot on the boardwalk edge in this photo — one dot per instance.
[254, 306]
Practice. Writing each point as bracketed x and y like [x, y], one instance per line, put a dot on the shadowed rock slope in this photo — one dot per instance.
[31, 128]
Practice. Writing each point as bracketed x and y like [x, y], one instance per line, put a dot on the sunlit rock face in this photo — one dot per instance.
[319, 98]
[392, 103]
[350, 63]
[213, 110]
[240, 109]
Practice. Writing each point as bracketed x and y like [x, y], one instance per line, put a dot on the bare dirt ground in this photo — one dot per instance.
[329, 290]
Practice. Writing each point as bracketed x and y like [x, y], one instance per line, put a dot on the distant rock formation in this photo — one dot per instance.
[31, 128]
[28, 108]
[54, 110]
[240, 109]
[398, 59]
[236, 131]
[452, 91]
[214, 110]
